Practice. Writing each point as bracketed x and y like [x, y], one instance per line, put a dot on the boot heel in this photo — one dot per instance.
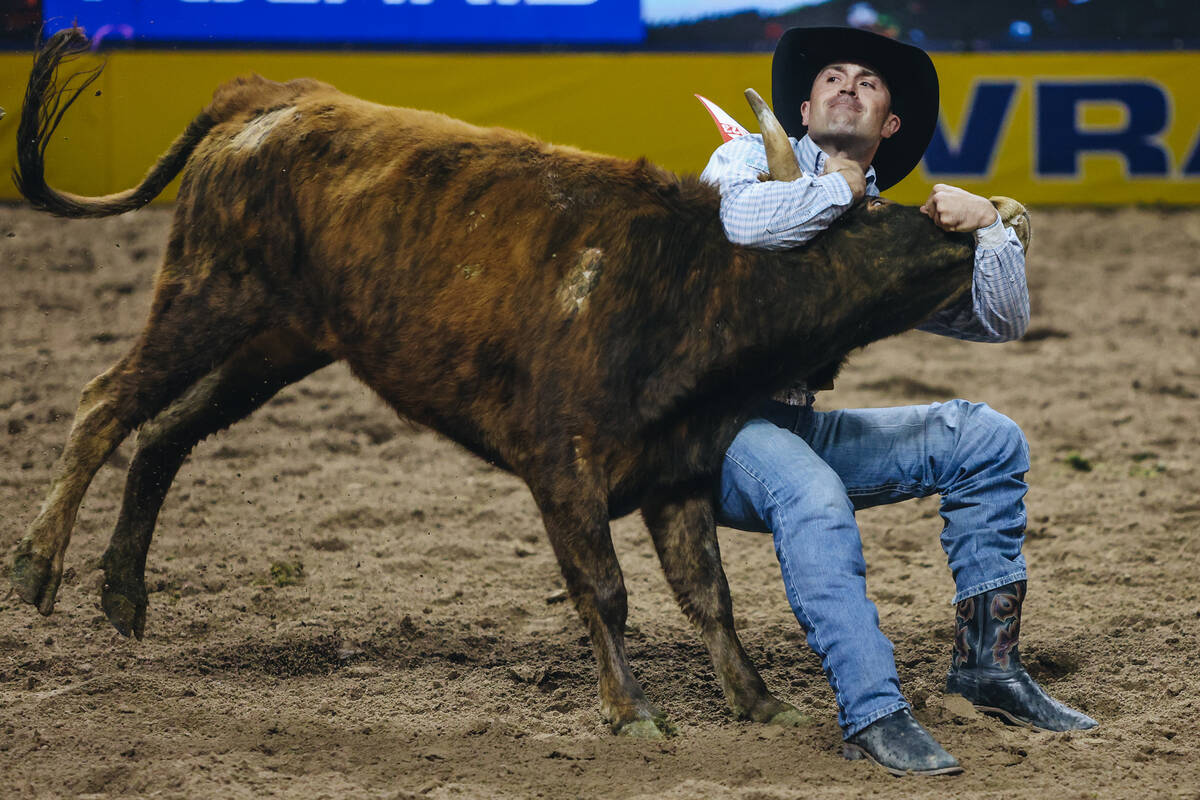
[851, 752]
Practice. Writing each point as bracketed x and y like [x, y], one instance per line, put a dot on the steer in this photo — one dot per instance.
[577, 319]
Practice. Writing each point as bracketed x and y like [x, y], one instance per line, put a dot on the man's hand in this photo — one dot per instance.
[955, 209]
[852, 171]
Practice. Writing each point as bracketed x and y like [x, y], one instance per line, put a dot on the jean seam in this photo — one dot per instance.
[749, 471]
[806, 622]
[908, 487]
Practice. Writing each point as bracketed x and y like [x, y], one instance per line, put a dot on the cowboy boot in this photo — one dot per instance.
[900, 745]
[985, 666]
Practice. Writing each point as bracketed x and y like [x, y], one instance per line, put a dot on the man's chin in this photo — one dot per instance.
[846, 122]
[845, 138]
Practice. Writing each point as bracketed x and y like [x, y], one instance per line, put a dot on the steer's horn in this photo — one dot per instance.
[781, 159]
[1014, 216]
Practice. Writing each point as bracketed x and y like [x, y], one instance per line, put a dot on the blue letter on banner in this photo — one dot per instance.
[1192, 165]
[1060, 141]
[980, 132]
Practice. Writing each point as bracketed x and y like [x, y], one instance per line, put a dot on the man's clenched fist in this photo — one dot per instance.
[955, 209]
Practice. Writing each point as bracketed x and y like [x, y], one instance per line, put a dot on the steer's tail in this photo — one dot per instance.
[47, 99]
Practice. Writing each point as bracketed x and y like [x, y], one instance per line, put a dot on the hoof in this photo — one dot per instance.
[127, 616]
[124, 597]
[35, 579]
[791, 718]
[659, 728]
[770, 710]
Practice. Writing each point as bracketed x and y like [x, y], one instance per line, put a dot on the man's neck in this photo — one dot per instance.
[852, 149]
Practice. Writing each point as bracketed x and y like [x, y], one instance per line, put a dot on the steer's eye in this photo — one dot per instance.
[876, 202]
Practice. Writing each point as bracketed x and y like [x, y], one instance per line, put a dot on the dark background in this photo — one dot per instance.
[952, 25]
[945, 25]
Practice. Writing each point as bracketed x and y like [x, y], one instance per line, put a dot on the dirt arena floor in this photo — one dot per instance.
[345, 606]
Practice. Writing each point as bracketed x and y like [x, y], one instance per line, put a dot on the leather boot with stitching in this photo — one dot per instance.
[986, 669]
[900, 745]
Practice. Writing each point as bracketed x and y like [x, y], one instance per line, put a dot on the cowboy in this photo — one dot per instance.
[862, 109]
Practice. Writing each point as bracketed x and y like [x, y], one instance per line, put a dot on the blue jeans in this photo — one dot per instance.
[801, 474]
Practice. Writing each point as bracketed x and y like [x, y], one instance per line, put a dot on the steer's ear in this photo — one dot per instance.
[1014, 216]
[781, 158]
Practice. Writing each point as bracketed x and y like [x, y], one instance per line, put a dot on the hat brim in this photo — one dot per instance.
[909, 72]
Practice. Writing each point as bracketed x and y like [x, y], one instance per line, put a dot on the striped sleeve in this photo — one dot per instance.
[997, 309]
[772, 215]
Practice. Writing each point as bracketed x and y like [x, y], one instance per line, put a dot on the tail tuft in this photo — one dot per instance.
[47, 98]
[46, 101]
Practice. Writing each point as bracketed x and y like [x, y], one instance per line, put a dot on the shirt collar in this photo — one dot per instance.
[812, 158]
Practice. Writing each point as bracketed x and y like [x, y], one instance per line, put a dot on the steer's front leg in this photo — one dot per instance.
[685, 536]
[576, 520]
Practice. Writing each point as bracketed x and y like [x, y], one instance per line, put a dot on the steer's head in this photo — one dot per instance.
[892, 261]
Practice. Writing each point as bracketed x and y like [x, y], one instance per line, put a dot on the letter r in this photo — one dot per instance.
[1060, 141]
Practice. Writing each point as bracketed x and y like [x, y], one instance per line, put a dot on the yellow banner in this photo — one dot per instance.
[1069, 127]
[1044, 128]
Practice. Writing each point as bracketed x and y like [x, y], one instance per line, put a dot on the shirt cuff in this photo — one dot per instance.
[993, 236]
[836, 188]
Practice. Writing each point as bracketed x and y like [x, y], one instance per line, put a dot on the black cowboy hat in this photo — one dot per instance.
[909, 72]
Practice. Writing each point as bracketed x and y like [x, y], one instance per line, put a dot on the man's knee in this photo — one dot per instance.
[997, 432]
[974, 435]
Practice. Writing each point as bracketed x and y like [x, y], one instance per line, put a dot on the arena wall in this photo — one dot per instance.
[1059, 128]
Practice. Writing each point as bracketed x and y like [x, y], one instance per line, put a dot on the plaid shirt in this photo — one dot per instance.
[776, 215]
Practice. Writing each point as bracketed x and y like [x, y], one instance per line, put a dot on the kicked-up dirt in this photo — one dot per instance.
[343, 605]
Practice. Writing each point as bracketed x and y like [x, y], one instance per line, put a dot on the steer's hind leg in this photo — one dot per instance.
[685, 536]
[229, 393]
[577, 524]
[95, 433]
[198, 318]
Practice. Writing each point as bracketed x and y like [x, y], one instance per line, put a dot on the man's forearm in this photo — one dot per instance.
[775, 215]
[998, 308]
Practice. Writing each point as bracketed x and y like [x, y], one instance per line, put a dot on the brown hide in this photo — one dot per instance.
[441, 260]
[578, 319]
[485, 283]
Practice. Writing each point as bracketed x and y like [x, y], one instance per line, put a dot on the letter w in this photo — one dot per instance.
[977, 145]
